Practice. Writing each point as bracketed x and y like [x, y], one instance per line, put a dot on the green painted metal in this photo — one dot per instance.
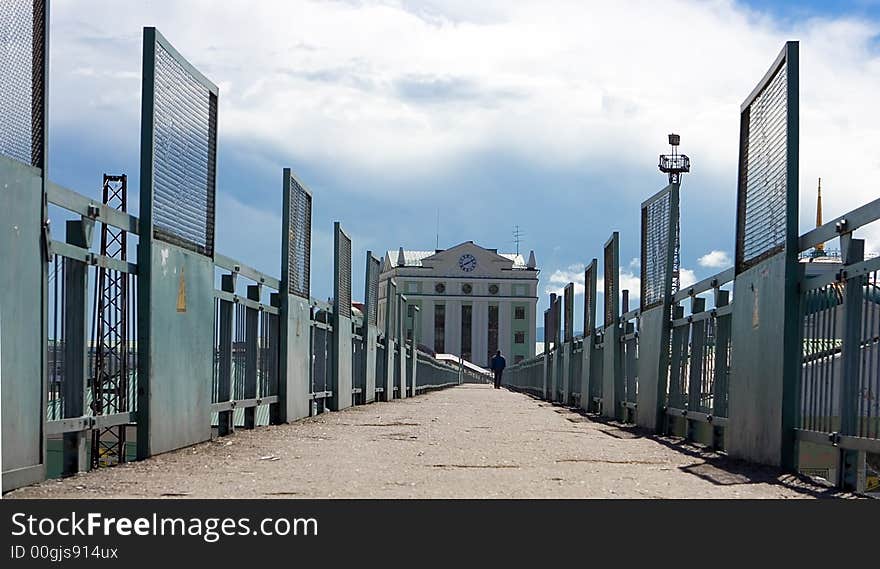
[757, 431]
[24, 236]
[612, 381]
[175, 302]
[589, 350]
[852, 461]
[76, 334]
[654, 322]
[174, 392]
[402, 343]
[371, 330]
[295, 369]
[23, 337]
[765, 328]
[341, 374]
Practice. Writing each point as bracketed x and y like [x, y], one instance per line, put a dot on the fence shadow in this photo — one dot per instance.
[716, 467]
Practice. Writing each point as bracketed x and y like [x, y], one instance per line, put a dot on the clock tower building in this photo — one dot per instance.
[472, 301]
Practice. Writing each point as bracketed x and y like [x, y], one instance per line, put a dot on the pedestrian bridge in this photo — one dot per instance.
[130, 347]
[469, 441]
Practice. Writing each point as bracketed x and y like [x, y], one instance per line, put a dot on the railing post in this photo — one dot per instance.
[76, 360]
[852, 462]
[722, 352]
[695, 363]
[225, 422]
[612, 386]
[277, 353]
[252, 335]
[679, 356]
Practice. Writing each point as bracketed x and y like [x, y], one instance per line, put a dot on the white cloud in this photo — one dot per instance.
[686, 277]
[405, 89]
[715, 260]
[629, 280]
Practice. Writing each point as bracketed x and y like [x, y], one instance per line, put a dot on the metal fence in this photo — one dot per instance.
[183, 344]
[769, 360]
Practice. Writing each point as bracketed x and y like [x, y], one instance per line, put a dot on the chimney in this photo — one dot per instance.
[401, 259]
[532, 264]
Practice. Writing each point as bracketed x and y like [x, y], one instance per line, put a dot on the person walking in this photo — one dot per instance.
[498, 365]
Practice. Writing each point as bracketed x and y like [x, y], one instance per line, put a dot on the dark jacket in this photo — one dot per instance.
[498, 363]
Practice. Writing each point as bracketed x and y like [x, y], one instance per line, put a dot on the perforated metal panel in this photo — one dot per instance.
[659, 250]
[764, 189]
[22, 42]
[184, 155]
[610, 268]
[568, 296]
[343, 273]
[590, 298]
[372, 290]
[299, 236]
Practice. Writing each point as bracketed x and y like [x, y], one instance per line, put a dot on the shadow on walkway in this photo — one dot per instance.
[717, 467]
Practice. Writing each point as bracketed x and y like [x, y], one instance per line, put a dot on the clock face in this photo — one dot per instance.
[467, 262]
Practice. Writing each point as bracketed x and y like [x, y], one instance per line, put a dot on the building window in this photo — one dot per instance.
[467, 288]
[493, 289]
[440, 328]
[412, 287]
[519, 338]
[493, 331]
[440, 288]
[466, 318]
[519, 313]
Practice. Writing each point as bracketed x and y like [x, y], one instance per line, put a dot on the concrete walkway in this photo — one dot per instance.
[467, 442]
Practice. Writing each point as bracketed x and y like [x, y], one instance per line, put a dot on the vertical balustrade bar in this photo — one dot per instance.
[251, 364]
[225, 423]
[76, 360]
[695, 369]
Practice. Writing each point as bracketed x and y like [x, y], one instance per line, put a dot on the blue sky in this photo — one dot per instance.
[546, 115]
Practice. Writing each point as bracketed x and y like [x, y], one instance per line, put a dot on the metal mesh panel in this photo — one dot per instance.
[589, 299]
[763, 180]
[343, 274]
[185, 119]
[610, 285]
[300, 240]
[21, 80]
[372, 291]
[655, 250]
[569, 311]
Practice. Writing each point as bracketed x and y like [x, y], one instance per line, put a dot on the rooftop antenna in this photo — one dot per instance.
[674, 164]
[517, 237]
[437, 247]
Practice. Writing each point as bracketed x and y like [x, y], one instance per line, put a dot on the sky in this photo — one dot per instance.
[547, 115]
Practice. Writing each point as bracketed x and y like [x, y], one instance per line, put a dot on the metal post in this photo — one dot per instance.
[225, 422]
[76, 359]
[679, 356]
[852, 462]
[695, 365]
[277, 354]
[252, 334]
[722, 350]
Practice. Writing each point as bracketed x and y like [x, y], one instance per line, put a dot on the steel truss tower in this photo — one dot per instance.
[111, 325]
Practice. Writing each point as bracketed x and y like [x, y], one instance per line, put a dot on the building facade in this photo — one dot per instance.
[472, 301]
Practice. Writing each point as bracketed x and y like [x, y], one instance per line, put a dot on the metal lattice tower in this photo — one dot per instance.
[110, 333]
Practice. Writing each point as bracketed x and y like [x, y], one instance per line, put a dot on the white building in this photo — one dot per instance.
[472, 301]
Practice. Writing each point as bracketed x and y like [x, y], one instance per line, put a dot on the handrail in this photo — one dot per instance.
[705, 285]
[93, 209]
[846, 223]
[246, 271]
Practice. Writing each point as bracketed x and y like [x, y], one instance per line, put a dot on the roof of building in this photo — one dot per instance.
[414, 258]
